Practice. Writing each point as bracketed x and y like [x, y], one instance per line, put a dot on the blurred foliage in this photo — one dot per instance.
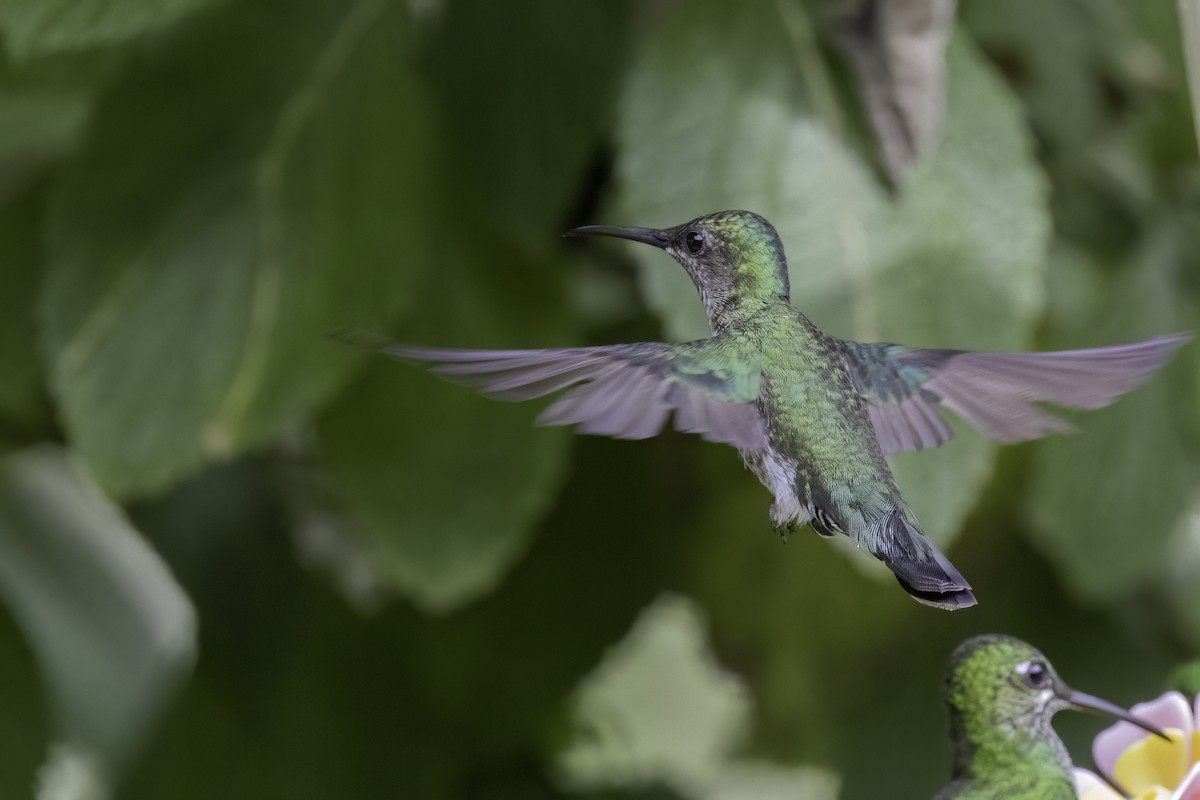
[392, 587]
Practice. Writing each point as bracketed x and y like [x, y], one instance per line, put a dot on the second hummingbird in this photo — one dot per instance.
[812, 415]
[1002, 694]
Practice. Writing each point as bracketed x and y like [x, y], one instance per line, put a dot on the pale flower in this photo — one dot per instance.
[1144, 765]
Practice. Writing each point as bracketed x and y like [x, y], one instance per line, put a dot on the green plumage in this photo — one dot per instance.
[812, 415]
[821, 459]
[1004, 747]
[1002, 694]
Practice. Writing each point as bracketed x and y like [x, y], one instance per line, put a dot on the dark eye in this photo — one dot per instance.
[694, 242]
[1036, 675]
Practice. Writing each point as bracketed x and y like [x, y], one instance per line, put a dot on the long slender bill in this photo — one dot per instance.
[1086, 702]
[651, 236]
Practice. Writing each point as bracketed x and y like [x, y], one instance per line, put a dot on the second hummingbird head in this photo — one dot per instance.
[1002, 692]
[734, 258]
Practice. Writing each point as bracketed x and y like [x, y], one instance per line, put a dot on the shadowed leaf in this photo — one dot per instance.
[200, 254]
[527, 88]
[445, 487]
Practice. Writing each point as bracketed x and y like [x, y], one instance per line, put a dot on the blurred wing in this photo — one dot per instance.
[994, 392]
[626, 390]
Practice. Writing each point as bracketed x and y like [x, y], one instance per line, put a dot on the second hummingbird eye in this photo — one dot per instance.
[694, 242]
[1036, 675]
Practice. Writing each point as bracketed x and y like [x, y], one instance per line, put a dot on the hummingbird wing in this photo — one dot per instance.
[994, 392]
[624, 390]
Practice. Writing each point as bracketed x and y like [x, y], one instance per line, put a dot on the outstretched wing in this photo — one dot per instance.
[994, 392]
[625, 390]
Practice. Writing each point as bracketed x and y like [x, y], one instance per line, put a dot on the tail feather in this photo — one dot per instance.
[919, 566]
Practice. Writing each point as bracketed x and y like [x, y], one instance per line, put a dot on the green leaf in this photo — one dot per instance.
[1104, 502]
[526, 99]
[716, 117]
[657, 708]
[43, 27]
[201, 253]
[111, 629]
[446, 486]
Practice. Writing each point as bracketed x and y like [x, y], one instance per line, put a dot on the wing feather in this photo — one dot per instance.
[993, 392]
[625, 391]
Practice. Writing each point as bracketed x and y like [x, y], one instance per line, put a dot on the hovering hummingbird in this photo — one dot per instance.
[1001, 693]
[811, 415]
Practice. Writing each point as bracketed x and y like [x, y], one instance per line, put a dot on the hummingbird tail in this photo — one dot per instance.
[920, 567]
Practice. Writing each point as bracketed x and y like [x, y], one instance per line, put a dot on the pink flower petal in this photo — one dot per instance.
[1169, 711]
[1190, 788]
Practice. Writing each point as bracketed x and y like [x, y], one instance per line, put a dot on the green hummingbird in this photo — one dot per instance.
[1001, 693]
[812, 415]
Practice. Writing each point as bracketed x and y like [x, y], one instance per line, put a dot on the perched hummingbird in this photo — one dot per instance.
[812, 415]
[1002, 693]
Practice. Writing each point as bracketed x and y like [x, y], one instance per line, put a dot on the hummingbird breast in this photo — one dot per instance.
[823, 462]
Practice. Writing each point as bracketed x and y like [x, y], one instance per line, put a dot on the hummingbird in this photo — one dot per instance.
[811, 414]
[1001, 693]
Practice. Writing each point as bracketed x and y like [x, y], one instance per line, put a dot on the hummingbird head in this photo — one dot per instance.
[1002, 693]
[734, 258]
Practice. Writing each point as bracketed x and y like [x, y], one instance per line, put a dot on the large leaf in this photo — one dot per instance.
[715, 117]
[1104, 502]
[40, 27]
[201, 252]
[112, 631]
[527, 94]
[660, 709]
[445, 485]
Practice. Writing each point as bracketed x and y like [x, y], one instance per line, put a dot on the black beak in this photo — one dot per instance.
[1085, 702]
[649, 236]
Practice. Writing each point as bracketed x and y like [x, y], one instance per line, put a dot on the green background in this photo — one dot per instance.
[240, 559]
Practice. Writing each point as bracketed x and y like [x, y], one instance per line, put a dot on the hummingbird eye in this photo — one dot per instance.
[1035, 674]
[694, 242]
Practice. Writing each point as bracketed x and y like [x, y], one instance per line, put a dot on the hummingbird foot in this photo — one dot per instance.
[787, 529]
